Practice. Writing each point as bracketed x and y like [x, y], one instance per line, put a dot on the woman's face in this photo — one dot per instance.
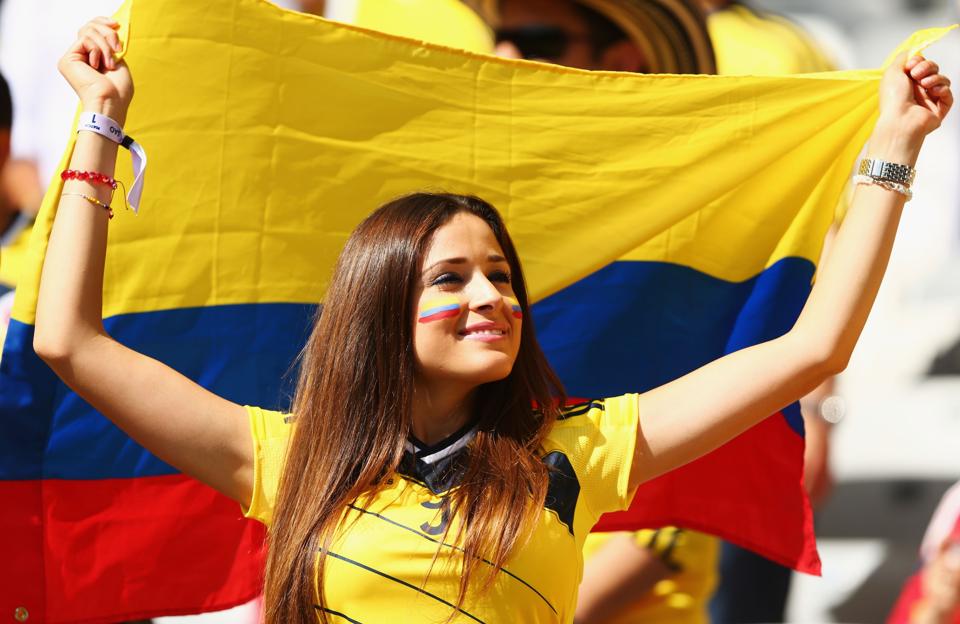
[467, 321]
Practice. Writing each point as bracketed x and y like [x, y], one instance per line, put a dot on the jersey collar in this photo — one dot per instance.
[439, 466]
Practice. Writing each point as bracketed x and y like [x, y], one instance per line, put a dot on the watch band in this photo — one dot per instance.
[887, 171]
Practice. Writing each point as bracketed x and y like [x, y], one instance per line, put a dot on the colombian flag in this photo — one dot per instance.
[696, 206]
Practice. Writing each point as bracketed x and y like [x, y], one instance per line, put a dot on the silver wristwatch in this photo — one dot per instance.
[884, 171]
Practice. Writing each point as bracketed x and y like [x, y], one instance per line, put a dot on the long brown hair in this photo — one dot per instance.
[353, 407]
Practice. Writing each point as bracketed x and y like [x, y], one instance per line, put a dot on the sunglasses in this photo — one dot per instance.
[539, 41]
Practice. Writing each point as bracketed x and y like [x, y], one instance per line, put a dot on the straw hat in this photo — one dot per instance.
[671, 34]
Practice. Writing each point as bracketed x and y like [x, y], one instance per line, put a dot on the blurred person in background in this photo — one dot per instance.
[7, 215]
[932, 594]
[649, 36]
[33, 35]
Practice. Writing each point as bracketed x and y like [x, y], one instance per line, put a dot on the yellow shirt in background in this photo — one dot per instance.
[681, 598]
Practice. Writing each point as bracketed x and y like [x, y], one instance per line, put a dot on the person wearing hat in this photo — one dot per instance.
[649, 36]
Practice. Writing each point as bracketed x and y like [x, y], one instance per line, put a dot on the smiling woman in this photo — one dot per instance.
[430, 469]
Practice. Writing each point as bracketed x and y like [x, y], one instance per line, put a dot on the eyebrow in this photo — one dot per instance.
[462, 260]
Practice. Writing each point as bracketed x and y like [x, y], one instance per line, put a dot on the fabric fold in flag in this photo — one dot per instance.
[719, 188]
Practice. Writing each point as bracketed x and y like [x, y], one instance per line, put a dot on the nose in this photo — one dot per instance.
[484, 294]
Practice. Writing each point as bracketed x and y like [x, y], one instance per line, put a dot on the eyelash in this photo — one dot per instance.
[455, 278]
[499, 276]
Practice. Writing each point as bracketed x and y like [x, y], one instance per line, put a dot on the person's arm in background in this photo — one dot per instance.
[20, 183]
[940, 603]
[817, 472]
[616, 576]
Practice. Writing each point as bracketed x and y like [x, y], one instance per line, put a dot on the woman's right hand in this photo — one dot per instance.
[103, 84]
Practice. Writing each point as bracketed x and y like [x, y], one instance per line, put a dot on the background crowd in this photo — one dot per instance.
[874, 488]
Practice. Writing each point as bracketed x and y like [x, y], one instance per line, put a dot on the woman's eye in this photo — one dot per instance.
[500, 276]
[446, 278]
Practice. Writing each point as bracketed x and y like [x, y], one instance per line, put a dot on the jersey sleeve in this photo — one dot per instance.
[599, 438]
[271, 433]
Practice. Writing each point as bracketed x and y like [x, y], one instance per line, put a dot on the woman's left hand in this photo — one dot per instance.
[914, 96]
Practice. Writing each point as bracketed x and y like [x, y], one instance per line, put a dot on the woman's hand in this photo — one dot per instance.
[914, 97]
[103, 83]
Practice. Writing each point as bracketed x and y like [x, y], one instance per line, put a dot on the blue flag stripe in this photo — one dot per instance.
[596, 330]
[592, 331]
[241, 352]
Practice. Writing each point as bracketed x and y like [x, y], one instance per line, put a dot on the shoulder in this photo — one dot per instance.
[594, 441]
[613, 412]
[271, 432]
[266, 423]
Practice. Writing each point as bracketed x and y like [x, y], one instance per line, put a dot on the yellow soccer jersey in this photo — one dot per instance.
[377, 568]
[681, 598]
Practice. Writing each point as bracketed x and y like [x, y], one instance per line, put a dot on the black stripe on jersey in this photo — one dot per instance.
[436, 541]
[652, 542]
[338, 614]
[580, 409]
[402, 582]
[667, 555]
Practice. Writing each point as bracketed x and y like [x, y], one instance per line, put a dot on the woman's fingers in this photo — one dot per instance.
[923, 69]
[109, 34]
[106, 21]
[94, 40]
[936, 80]
[93, 57]
[944, 101]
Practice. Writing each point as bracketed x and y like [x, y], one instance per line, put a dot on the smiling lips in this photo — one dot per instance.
[484, 332]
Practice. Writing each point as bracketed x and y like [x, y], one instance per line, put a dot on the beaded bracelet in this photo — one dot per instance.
[88, 176]
[887, 184]
[92, 200]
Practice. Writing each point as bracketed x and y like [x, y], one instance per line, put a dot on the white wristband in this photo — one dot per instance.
[104, 126]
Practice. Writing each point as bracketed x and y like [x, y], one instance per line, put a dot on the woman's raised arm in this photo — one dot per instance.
[200, 433]
[695, 414]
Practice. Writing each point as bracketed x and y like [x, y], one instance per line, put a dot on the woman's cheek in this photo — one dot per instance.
[438, 309]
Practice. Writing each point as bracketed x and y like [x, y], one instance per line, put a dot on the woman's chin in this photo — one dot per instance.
[491, 368]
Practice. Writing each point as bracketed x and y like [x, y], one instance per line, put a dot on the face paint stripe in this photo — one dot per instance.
[426, 317]
[434, 309]
[514, 307]
[437, 309]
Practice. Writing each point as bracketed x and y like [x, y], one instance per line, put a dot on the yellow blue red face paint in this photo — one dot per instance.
[438, 309]
[514, 306]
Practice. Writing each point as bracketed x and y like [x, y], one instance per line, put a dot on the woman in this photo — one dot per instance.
[430, 474]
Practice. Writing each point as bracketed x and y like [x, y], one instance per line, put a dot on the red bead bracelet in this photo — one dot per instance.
[88, 176]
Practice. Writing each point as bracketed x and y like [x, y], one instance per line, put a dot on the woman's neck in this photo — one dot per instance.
[439, 412]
